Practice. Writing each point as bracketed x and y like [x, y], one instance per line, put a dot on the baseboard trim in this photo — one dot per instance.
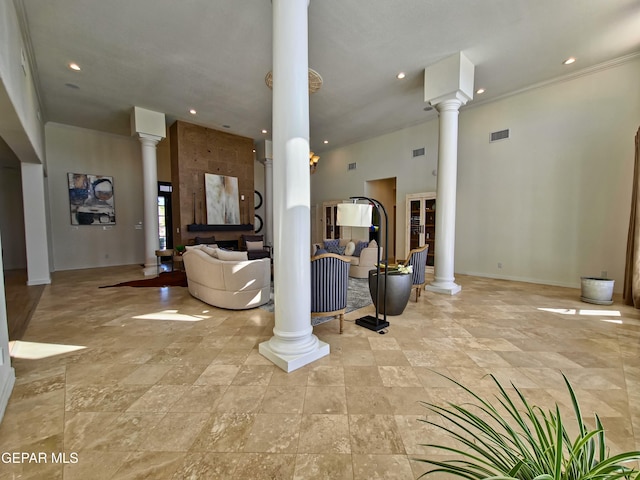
[520, 279]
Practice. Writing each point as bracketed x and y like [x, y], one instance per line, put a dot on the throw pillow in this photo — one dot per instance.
[193, 247]
[253, 246]
[320, 251]
[231, 255]
[213, 252]
[338, 251]
[332, 244]
[359, 247]
[350, 248]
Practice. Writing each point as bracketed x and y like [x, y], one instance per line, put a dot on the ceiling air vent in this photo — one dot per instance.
[418, 152]
[351, 166]
[501, 135]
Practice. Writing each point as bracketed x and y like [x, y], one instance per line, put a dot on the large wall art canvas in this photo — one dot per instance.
[223, 202]
[91, 199]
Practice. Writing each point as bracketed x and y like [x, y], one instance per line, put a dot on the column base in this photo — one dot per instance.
[150, 271]
[450, 288]
[289, 363]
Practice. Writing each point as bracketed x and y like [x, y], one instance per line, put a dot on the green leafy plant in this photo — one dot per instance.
[399, 269]
[523, 442]
[180, 249]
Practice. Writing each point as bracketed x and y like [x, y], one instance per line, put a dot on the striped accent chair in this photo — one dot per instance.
[418, 260]
[329, 283]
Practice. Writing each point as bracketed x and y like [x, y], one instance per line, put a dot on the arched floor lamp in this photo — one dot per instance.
[359, 215]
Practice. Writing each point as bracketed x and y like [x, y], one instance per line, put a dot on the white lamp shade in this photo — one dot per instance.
[354, 214]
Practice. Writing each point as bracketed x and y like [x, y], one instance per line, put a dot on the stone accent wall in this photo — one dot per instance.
[197, 150]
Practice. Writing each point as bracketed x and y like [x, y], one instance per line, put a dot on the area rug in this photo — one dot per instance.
[165, 279]
[358, 296]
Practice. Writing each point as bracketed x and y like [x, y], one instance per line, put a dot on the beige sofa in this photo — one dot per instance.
[231, 284]
[361, 265]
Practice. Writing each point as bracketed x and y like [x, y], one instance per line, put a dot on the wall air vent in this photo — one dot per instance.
[351, 166]
[501, 135]
[418, 152]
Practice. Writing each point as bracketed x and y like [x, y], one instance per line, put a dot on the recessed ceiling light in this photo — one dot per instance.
[74, 66]
[480, 91]
[428, 108]
[326, 141]
[226, 126]
[400, 76]
[193, 111]
[72, 85]
[264, 131]
[569, 61]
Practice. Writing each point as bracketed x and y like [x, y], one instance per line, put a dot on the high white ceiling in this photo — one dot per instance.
[212, 55]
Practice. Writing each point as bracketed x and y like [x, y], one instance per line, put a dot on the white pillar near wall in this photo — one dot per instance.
[150, 128]
[150, 212]
[293, 344]
[448, 85]
[35, 224]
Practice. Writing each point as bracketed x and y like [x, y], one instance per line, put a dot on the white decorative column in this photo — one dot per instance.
[448, 85]
[150, 128]
[293, 344]
[35, 223]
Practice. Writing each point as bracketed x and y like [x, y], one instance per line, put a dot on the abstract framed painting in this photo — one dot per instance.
[91, 199]
[223, 202]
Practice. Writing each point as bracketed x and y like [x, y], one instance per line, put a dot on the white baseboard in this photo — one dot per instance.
[521, 279]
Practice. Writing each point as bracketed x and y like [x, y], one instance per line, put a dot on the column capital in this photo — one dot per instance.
[451, 101]
[147, 139]
[267, 162]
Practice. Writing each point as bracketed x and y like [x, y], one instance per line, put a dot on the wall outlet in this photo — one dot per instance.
[499, 264]
[1, 356]
[138, 227]
[603, 274]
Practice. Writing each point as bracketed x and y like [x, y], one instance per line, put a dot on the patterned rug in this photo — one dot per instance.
[358, 296]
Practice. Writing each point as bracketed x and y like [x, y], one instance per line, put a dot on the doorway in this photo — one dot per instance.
[165, 224]
[384, 190]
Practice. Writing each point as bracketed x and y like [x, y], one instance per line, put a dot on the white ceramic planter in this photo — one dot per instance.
[597, 290]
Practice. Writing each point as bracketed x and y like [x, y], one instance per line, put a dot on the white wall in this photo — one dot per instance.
[382, 157]
[76, 150]
[550, 204]
[20, 125]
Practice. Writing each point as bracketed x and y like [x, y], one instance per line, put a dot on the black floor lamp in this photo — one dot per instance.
[359, 215]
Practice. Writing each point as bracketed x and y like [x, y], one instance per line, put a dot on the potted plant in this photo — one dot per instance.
[597, 290]
[519, 440]
[397, 285]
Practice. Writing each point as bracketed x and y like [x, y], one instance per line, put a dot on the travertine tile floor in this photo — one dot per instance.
[153, 384]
